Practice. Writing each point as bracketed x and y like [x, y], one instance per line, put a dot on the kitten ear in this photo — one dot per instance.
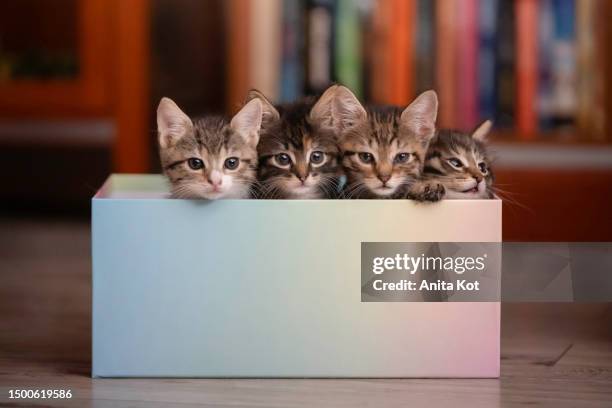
[172, 123]
[482, 131]
[338, 109]
[248, 121]
[346, 109]
[270, 114]
[420, 116]
[322, 113]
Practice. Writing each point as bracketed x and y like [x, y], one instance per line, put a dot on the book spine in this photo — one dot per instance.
[424, 46]
[526, 66]
[380, 55]
[564, 63]
[505, 66]
[265, 39]
[604, 39]
[546, 28]
[291, 69]
[347, 46]
[445, 62]
[487, 73]
[467, 35]
[239, 53]
[602, 66]
[401, 51]
[320, 45]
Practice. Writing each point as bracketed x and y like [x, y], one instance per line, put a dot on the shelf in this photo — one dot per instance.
[91, 132]
[570, 138]
[566, 157]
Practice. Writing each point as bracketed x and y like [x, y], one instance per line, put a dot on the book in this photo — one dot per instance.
[292, 75]
[380, 37]
[487, 72]
[265, 47]
[239, 53]
[505, 63]
[564, 65]
[401, 52]
[530, 65]
[320, 45]
[347, 56]
[446, 77]
[424, 46]
[546, 38]
[602, 66]
[526, 67]
[392, 57]
[467, 64]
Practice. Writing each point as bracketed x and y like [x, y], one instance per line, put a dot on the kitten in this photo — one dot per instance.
[384, 147]
[208, 157]
[460, 162]
[298, 157]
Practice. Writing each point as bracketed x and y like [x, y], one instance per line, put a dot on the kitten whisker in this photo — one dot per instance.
[355, 190]
[506, 196]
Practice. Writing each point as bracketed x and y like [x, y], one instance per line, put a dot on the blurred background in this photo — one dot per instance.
[80, 80]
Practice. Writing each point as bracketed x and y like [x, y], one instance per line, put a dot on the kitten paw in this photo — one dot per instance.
[427, 191]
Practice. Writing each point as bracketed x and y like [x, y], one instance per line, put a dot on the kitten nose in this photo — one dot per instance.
[478, 179]
[302, 177]
[215, 179]
[215, 182]
[384, 177]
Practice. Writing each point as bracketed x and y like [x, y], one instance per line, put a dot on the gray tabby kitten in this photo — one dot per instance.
[209, 157]
[384, 148]
[298, 157]
[460, 162]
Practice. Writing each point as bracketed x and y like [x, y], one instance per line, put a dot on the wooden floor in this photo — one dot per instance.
[557, 355]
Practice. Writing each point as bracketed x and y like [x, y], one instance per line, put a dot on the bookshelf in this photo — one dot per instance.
[540, 69]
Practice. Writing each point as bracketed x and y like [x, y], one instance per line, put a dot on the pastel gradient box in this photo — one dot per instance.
[271, 288]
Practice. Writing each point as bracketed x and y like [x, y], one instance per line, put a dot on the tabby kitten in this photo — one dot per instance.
[460, 162]
[384, 147]
[208, 157]
[298, 157]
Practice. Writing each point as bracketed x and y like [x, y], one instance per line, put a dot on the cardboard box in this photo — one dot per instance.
[271, 288]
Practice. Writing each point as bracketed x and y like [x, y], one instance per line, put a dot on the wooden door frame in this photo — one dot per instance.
[131, 149]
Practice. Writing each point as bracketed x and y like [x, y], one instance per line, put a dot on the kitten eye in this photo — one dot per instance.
[283, 159]
[365, 157]
[401, 157]
[483, 167]
[195, 163]
[455, 162]
[317, 157]
[231, 163]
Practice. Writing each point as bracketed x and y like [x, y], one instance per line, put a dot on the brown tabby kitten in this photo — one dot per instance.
[298, 158]
[460, 162]
[384, 147]
[208, 157]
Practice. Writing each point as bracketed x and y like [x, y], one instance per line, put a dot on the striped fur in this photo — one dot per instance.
[212, 140]
[293, 132]
[383, 147]
[460, 162]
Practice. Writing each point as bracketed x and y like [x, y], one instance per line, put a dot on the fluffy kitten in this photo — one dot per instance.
[384, 147]
[208, 157]
[298, 158]
[460, 162]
